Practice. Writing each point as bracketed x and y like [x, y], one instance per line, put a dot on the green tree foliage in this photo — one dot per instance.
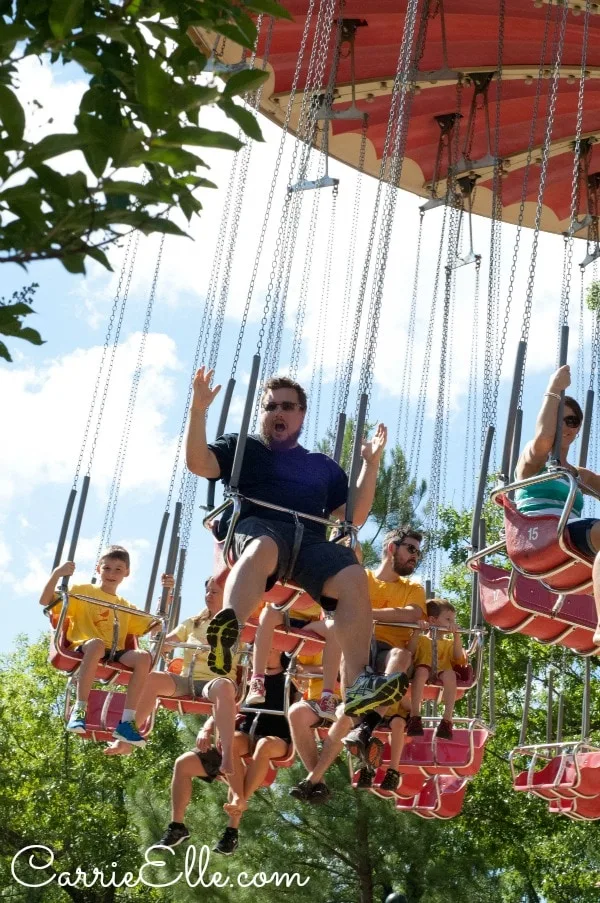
[11, 319]
[142, 108]
[592, 296]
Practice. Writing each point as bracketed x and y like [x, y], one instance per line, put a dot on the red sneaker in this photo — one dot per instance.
[444, 731]
[414, 726]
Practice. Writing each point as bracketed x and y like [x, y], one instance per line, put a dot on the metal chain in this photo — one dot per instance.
[472, 393]
[340, 365]
[109, 329]
[407, 370]
[111, 507]
[542, 183]
[284, 131]
[324, 306]
[404, 85]
[565, 300]
[489, 416]
[111, 359]
[415, 450]
[304, 283]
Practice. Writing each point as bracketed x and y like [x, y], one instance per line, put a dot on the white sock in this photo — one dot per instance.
[128, 715]
[80, 707]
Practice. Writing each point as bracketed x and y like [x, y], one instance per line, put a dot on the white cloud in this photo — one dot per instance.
[51, 402]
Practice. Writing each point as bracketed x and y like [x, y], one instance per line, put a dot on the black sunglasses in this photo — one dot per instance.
[413, 550]
[271, 406]
[572, 421]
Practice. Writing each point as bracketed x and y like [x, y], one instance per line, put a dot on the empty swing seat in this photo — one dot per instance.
[577, 809]
[534, 550]
[570, 775]
[441, 797]
[517, 604]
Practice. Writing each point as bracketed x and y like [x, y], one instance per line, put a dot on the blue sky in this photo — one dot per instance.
[46, 392]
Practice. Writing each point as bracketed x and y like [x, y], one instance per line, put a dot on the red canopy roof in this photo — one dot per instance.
[472, 28]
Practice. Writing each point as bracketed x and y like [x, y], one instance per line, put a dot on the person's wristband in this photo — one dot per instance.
[551, 395]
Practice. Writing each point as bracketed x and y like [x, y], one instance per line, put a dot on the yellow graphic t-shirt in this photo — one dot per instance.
[445, 659]
[86, 621]
[399, 594]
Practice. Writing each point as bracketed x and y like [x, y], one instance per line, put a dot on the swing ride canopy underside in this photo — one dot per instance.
[471, 48]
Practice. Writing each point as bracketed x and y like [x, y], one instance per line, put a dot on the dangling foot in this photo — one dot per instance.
[222, 634]
[236, 806]
[226, 767]
[118, 748]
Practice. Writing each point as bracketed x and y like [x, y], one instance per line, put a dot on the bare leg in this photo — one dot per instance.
[416, 690]
[245, 585]
[140, 661]
[186, 767]
[397, 727]
[332, 653]
[448, 679]
[267, 748]
[222, 695]
[93, 651]
[157, 684]
[302, 721]
[353, 617]
[331, 748]
[398, 660]
[236, 804]
[270, 618]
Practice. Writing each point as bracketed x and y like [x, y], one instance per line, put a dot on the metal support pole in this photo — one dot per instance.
[339, 437]
[561, 717]
[85, 485]
[528, 679]
[516, 444]
[512, 410]
[585, 710]
[477, 616]
[492, 678]
[174, 613]
[356, 461]
[172, 556]
[564, 348]
[481, 486]
[156, 562]
[428, 589]
[210, 492]
[587, 425]
[236, 468]
[549, 710]
[63, 530]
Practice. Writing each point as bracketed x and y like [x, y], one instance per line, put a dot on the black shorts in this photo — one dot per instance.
[317, 560]
[579, 534]
[106, 658]
[211, 762]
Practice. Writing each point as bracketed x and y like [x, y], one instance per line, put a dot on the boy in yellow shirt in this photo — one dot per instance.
[90, 630]
[441, 614]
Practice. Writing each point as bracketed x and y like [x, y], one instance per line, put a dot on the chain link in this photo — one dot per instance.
[472, 394]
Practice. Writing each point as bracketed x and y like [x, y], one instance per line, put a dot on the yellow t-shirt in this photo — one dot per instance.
[307, 614]
[86, 621]
[445, 659]
[399, 594]
[315, 684]
[188, 633]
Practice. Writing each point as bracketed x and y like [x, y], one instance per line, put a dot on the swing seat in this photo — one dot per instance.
[293, 640]
[104, 711]
[190, 705]
[441, 797]
[577, 809]
[565, 777]
[65, 658]
[517, 604]
[285, 761]
[461, 756]
[410, 784]
[533, 546]
[465, 680]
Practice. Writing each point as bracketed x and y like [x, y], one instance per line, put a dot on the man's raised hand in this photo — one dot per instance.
[372, 449]
[203, 394]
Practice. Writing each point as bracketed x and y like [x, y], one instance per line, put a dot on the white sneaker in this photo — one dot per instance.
[256, 692]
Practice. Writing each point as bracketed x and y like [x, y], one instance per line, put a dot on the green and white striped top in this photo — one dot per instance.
[547, 498]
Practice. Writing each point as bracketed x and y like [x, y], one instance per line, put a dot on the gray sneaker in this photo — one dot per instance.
[369, 691]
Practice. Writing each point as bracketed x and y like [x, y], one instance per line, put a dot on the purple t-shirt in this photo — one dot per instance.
[295, 478]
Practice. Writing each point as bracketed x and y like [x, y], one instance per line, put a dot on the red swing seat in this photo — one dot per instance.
[285, 761]
[441, 797]
[461, 756]
[574, 773]
[577, 809]
[517, 604]
[410, 785]
[294, 640]
[104, 711]
[64, 657]
[536, 550]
